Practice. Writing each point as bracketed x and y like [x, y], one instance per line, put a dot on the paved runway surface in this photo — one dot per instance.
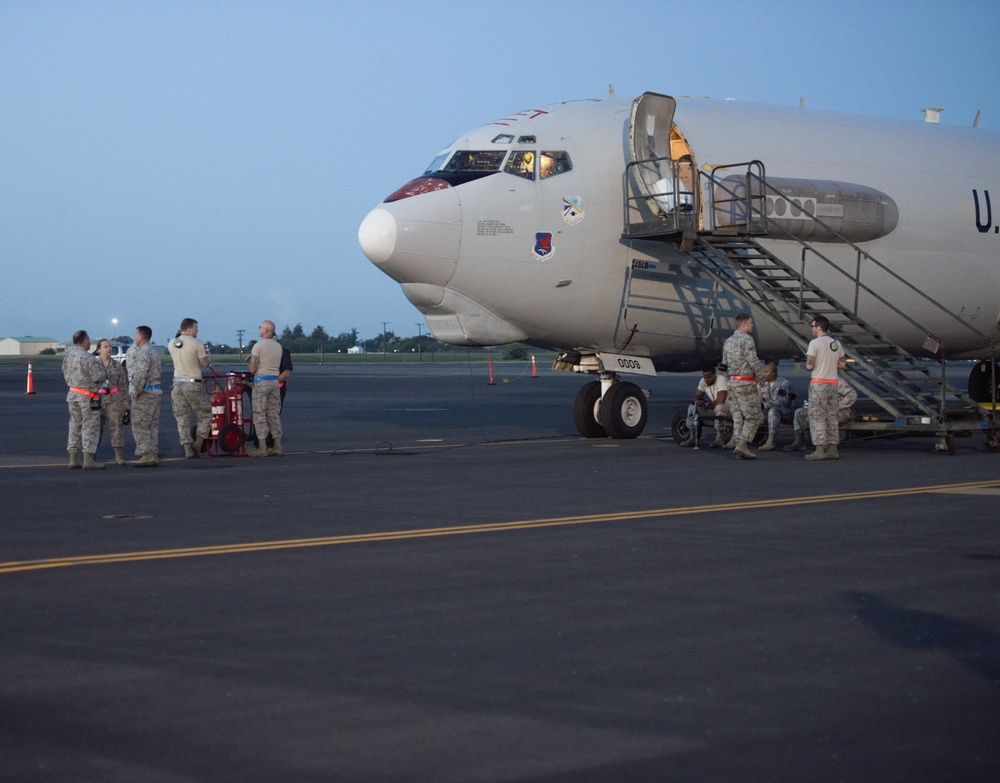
[441, 582]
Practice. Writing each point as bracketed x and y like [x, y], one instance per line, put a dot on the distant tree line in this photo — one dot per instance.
[295, 340]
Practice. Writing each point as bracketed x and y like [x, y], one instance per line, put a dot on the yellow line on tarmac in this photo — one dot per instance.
[489, 527]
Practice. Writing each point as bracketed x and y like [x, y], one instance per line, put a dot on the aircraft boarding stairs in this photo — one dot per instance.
[913, 392]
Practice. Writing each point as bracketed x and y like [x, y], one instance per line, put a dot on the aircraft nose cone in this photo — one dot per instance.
[377, 236]
[415, 240]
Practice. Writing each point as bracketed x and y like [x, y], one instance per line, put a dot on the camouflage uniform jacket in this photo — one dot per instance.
[777, 395]
[81, 371]
[740, 353]
[143, 364]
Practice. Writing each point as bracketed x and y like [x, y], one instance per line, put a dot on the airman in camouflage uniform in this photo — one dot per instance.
[188, 394]
[824, 359]
[143, 364]
[740, 354]
[114, 397]
[776, 396]
[83, 374]
[265, 364]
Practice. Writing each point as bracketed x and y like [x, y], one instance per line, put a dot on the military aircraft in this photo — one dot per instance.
[627, 234]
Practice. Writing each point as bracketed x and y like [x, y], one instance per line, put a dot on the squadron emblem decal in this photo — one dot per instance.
[572, 210]
[543, 246]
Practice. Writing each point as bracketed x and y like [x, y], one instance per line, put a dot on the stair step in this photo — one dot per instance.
[896, 379]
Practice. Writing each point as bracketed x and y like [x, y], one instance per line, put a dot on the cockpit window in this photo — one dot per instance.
[552, 163]
[472, 160]
[521, 163]
[459, 167]
[437, 163]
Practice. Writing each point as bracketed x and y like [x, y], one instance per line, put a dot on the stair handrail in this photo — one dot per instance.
[675, 216]
[861, 252]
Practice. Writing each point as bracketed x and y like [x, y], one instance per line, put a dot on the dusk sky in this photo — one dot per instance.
[215, 159]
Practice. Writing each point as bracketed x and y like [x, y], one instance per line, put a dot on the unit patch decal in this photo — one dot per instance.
[543, 246]
[572, 210]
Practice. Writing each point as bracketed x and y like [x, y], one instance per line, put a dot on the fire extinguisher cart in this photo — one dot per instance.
[232, 422]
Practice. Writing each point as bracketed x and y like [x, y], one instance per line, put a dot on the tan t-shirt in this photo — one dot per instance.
[268, 353]
[827, 354]
[187, 358]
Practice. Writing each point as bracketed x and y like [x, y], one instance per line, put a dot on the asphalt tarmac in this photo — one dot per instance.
[440, 581]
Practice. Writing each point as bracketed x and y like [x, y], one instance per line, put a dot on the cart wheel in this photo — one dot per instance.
[946, 446]
[231, 438]
[679, 427]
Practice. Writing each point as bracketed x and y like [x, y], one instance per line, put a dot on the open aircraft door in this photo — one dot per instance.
[654, 174]
[662, 298]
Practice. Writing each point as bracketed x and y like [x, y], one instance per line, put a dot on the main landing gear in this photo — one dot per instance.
[610, 408]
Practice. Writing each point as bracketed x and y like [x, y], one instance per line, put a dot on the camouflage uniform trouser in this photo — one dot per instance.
[188, 398]
[84, 426]
[695, 413]
[823, 414]
[744, 402]
[112, 410]
[774, 418]
[146, 423]
[266, 401]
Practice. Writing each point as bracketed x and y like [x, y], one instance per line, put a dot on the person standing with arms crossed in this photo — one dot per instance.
[740, 353]
[265, 365]
[824, 357]
[83, 375]
[188, 394]
[142, 362]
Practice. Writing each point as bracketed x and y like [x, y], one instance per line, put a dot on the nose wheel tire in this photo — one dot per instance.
[623, 411]
[585, 411]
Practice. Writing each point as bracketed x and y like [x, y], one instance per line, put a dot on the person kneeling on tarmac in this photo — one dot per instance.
[709, 400]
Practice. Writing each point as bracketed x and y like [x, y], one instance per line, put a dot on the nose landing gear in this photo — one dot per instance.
[619, 413]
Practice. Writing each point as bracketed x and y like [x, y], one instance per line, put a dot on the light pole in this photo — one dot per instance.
[420, 356]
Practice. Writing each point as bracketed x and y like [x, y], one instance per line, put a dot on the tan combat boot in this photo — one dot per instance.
[743, 451]
[89, 463]
[74, 460]
[147, 460]
[818, 454]
[119, 458]
[768, 445]
[799, 444]
[275, 450]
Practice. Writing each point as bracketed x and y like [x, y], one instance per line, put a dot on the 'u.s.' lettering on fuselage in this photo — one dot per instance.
[985, 225]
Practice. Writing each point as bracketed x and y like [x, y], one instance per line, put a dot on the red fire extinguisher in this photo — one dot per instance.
[218, 411]
[234, 389]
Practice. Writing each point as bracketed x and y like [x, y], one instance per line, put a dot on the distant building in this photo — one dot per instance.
[355, 349]
[27, 346]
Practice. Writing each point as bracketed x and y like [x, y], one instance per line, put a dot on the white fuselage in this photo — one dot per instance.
[505, 257]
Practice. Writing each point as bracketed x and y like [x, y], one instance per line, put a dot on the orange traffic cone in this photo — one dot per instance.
[534, 370]
[31, 383]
